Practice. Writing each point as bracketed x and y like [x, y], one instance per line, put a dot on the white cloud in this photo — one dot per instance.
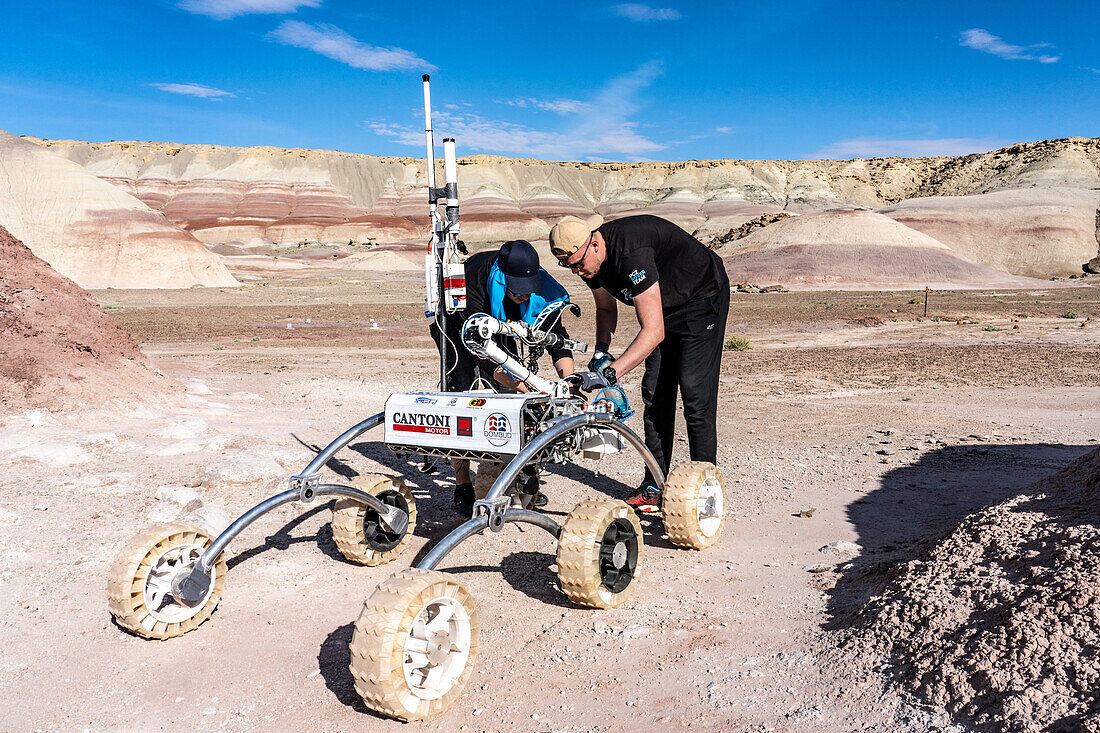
[877, 147]
[194, 90]
[225, 9]
[336, 44]
[724, 130]
[645, 13]
[557, 106]
[982, 40]
[603, 129]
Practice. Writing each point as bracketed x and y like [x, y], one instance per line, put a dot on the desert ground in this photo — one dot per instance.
[854, 418]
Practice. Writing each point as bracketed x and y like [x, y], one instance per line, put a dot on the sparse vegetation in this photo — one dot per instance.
[219, 347]
[992, 328]
[1069, 314]
[736, 343]
[916, 301]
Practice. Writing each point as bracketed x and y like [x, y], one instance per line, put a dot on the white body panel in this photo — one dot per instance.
[483, 421]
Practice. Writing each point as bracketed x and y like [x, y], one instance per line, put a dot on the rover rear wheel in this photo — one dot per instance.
[414, 644]
[356, 528]
[139, 582]
[599, 553]
[693, 503]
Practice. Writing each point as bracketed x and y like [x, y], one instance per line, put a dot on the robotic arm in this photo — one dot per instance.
[477, 336]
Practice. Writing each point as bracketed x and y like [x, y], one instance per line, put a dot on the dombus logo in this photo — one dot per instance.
[498, 430]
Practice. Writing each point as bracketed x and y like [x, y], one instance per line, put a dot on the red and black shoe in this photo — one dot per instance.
[646, 500]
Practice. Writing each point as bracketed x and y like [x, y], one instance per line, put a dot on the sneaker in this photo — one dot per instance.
[464, 499]
[646, 500]
[541, 500]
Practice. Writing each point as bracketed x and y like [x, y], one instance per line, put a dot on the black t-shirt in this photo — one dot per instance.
[642, 250]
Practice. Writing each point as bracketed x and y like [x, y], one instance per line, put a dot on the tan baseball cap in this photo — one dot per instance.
[569, 234]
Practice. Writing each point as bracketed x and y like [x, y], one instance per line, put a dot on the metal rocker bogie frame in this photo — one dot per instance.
[495, 510]
[492, 512]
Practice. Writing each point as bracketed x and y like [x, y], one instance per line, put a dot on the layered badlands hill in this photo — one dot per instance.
[93, 232]
[1029, 209]
[855, 250]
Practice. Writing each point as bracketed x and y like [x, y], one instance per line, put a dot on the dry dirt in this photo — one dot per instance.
[59, 346]
[890, 426]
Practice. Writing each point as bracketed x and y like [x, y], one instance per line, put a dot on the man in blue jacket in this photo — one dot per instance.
[508, 285]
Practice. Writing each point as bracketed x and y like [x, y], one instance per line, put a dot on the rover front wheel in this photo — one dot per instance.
[414, 644]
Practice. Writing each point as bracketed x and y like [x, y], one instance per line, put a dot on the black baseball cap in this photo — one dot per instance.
[519, 262]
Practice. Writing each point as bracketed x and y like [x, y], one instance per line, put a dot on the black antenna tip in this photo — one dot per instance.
[425, 77]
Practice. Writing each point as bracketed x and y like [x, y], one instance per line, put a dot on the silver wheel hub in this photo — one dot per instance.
[437, 648]
[709, 506]
[618, 555]
[162, 603]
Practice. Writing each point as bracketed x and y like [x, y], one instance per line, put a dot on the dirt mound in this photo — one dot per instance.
[1000, 622]
[855, 250]
[59, 347]
[748, 228]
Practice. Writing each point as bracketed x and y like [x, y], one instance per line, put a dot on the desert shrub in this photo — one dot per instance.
[736, 343]
[916, 301]
[1069, 314]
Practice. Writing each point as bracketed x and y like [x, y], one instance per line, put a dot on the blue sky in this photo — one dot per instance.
[568, 81]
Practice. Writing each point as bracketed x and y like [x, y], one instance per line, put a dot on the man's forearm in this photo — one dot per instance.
[643, 344]
[606, 321]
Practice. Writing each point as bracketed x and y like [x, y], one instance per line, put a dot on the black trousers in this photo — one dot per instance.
[688, 361]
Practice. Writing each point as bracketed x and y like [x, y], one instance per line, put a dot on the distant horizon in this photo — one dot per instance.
[439, 152]
[671, 81]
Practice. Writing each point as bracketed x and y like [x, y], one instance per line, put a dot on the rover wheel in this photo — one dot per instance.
[359, 535]
[599, 553]
[414, 644]
[139, 583]
[692, 504]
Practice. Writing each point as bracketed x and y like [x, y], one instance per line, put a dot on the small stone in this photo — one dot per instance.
[820, 567]
[807, 513]
[841, 548]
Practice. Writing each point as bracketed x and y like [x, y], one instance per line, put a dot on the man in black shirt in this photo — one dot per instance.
[683, 322]
[508, 285]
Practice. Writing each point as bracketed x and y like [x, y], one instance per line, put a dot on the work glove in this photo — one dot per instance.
[589, 381]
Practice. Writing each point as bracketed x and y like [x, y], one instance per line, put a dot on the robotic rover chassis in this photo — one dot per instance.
[416, 639]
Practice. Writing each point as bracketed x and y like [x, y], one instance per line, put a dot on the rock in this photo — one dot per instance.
[820, 567]
[208, 517]
[842, 549]
[807, 513]
[748, 228]
[241, 467]
[1092, 266]
[181, 495]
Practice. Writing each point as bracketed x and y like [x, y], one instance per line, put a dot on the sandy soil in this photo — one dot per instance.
[890, 430]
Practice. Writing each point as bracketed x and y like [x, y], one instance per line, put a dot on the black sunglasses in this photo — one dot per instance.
[576, 263]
